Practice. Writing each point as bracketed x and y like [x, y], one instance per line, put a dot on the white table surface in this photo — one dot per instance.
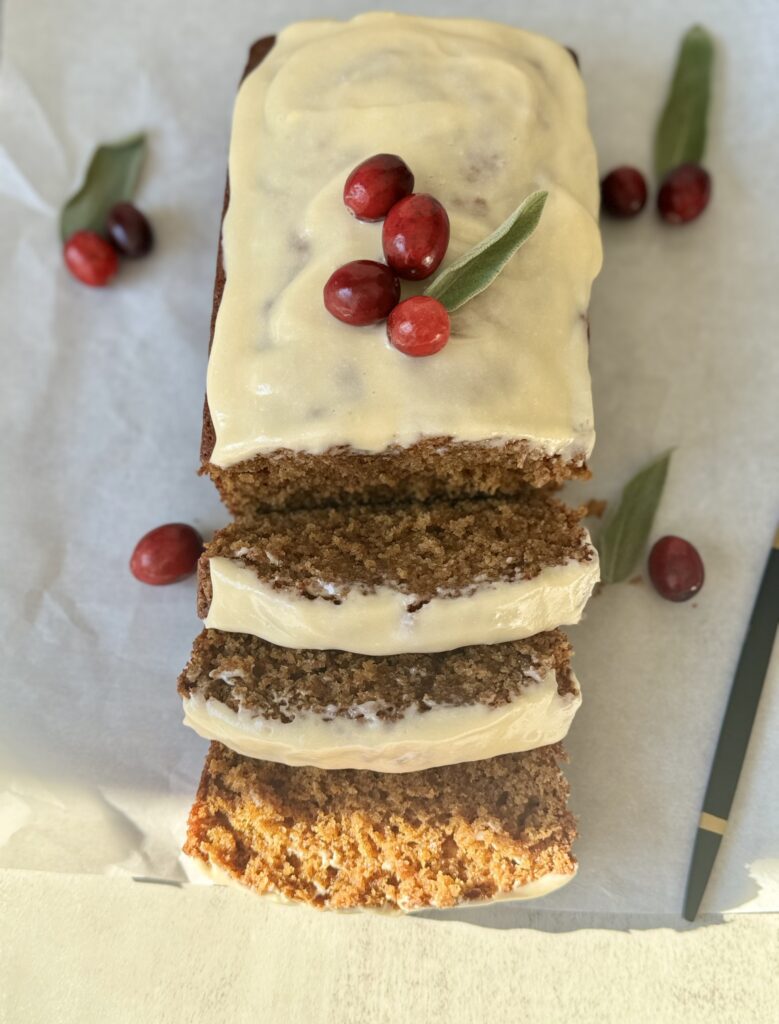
[85, 947]
[91, 950]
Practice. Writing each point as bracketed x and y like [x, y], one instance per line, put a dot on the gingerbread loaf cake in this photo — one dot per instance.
[351, 840]
[408, 712]
[398, 579]
[304, 411]
[380, 671]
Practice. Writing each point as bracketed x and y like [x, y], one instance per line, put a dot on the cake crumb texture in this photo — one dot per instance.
[359, 839]
[431, 468]
[245, 672]
[447, 548]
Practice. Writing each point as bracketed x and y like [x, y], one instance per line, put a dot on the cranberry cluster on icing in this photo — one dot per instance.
[415, 236]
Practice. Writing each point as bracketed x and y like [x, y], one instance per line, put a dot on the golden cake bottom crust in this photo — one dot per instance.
[359, 839]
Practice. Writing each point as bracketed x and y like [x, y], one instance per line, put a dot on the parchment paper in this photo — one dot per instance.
[101, 398]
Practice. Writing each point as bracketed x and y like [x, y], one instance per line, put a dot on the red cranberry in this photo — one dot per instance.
[684, 194]
[166, 554]
[623, 192]
[676, 569]
[415, 236]
[129, 230]
[419, 326]
[90, 258]
[361, 292]
[375, 185]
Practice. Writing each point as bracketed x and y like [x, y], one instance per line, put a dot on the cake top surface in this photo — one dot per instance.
[483, 114]
[246, 673]
[446, 548]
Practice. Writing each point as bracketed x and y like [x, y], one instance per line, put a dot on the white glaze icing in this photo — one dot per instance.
[379, 622]
[484, 114]
[444, 734]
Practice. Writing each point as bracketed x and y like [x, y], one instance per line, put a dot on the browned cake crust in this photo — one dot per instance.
[245, 672]
[358, 839]
[447, 548]
[438, 467]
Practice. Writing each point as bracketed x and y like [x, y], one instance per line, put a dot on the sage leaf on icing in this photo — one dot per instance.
[624, 537]
[111, 178]
[478, 268]
[681, 131]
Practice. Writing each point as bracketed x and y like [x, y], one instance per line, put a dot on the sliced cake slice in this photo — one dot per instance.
[335, 709]
[402, 578]
[348, 840]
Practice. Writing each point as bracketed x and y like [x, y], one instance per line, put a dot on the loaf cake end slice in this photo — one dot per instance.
[346, 840]
[305, 411]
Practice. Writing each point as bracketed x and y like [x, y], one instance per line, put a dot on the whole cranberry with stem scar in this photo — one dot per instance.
[419, 326]
[623, 192]
[675, 569]
[129, 230]
[684, 194]
[375, 185]
[361, 292]
[90, 258]
[166, 554]
[415, 236]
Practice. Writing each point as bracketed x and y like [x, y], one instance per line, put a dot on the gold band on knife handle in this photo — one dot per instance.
[711, 823]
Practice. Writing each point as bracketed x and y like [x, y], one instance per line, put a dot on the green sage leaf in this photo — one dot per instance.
[479, 267]
[681, 131]
[111, 178]
[624, 538]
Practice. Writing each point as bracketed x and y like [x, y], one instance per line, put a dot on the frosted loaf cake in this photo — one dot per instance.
[305, 411]
[380, 671]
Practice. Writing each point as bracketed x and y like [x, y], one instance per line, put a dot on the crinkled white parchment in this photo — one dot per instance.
[101, 403]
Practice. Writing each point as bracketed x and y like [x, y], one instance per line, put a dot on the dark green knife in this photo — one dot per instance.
[734, 734]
